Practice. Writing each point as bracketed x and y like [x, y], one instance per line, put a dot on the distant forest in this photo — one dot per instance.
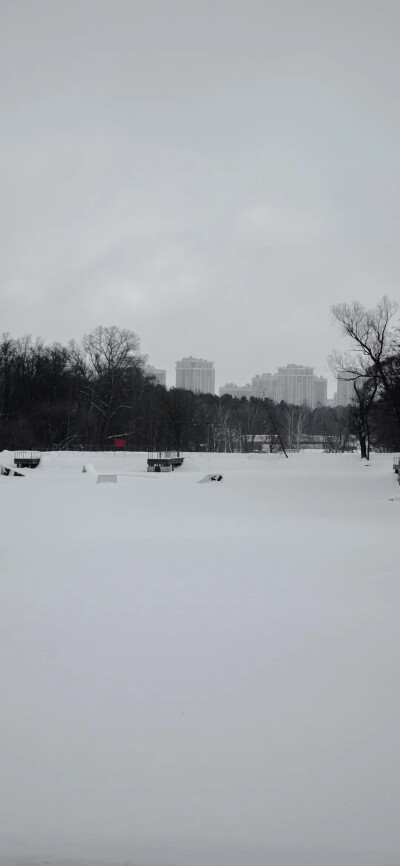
[87, 394]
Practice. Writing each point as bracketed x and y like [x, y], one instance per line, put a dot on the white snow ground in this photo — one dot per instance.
[201, 674]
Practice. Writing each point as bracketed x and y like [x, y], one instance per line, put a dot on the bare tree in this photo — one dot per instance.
[275, 425]
[115, 371]
[251, 422]
[111, 349]
[337, 427]
[374, 341]
[295, 420]
[369, 329]
[365, 391]
[179, 408]
[366, 364]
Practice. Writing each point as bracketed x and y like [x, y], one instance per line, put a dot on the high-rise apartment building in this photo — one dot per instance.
[159, 375]
[345, 392]
[196, 374]
[263, 386]
[298, 385]
[293, 384]
[320, 391]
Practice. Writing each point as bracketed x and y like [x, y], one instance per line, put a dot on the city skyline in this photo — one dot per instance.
[160, 374]
[198, 375]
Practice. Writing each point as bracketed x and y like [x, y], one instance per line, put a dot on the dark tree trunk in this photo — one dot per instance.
[363, 446]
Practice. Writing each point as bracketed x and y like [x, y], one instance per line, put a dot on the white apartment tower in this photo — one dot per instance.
[345, 392]
[195, 374]
[159, 375]
[294, 384]
[263, 386]
[320, 391]
[299, 385]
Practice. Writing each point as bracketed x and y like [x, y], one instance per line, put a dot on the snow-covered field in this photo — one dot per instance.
[201, 674]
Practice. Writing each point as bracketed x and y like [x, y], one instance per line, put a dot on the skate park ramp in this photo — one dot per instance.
[7, 470]
[215, 477]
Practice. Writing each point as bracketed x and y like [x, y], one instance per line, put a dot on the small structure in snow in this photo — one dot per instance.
[27, 459]
[110, 478]
[207, 478]
[6, 470]
[163, 461]
[88, 467]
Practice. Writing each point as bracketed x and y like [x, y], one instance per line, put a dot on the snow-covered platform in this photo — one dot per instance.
[27, 459]
[163, 461]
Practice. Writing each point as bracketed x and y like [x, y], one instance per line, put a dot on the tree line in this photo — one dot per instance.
[85, 395]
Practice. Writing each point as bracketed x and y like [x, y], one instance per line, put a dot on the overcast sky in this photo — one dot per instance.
[211, 175]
